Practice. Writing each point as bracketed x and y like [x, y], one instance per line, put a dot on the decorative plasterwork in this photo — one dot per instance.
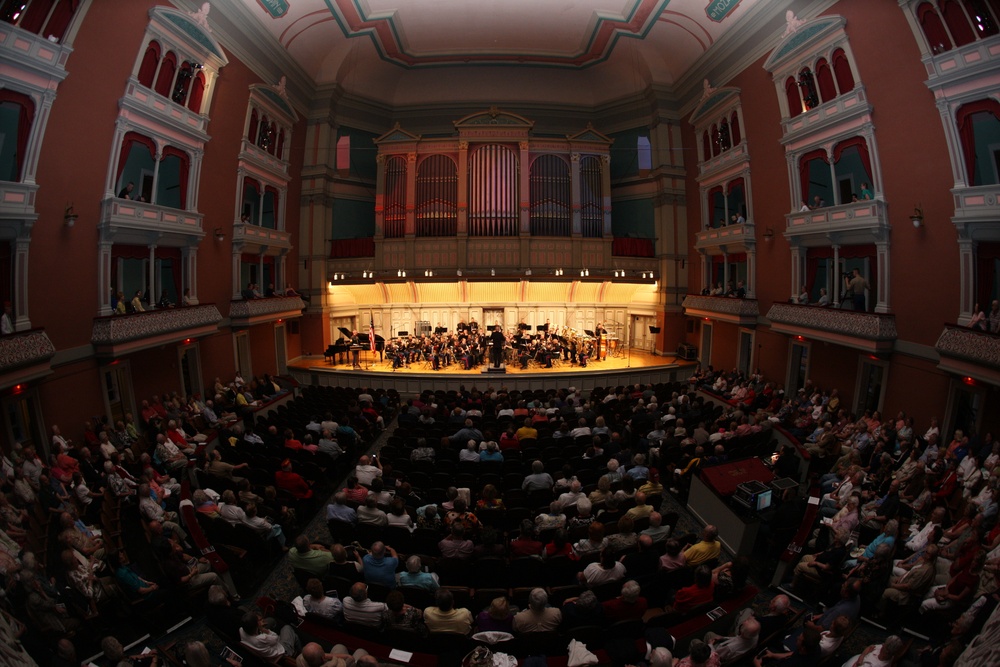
[139, 223]
[731, 238]
[871, 332]
[713, 101]
[969, 353]
[743, 312]
[122, 334]
[25, 356]
[262, 236]
[801, 40]
[856, 223]
[245, 313]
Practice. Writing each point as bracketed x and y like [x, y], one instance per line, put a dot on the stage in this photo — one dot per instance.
[613, 371]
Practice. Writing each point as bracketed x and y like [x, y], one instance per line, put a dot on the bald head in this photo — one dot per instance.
[750, 628]
[313, 654]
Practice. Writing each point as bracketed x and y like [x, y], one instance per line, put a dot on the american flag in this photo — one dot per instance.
[371, 333]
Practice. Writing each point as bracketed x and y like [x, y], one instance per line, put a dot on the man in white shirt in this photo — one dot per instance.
[366, 472]
[730, 649]
[581, 429]
[572, 496]
[920, 538]
[266, 643]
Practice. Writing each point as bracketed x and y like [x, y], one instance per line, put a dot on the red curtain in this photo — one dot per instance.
[842, 70]
[933, 28]
[185, 164]
[824, 78]
[958, 24]
[60, 18]
[35, 15]
[967, 133]
[25, 119]
[150, 59]
[734, 128]
[794, 101]
[281, 143]
[627, 247]
[272, 141]
[197, 93]
[862, 146]
[706, 145]
[166, 78]
[804, 161]
[715, 140]
[987, 255]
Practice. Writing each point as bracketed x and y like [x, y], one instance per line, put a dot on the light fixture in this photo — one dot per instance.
[493, 272]
[339, 276]
[559, 272]
[527, 272]
[70, 216]
[459, 272]
[586, 272]
[367, 274]
[768, 234]
[428, 273]
[917, 217]
[219, 234]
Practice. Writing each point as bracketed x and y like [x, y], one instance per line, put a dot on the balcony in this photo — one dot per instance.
[243, 313]
[732, 237]
[736, 158]
[857, 223]
[957, 65]
[117, 335]
[139, 223]
[149, 104]
[33, 52]
[869, 332]
[977, 210]
[264, 236]
[259, 157]
[17, 201]
[850, 110]
[969, 353]
[25, 356]
[743, 312]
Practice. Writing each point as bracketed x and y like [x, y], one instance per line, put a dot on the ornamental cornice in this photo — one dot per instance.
[869, 326]
[125, 328]
[976, 346]
[24, 349]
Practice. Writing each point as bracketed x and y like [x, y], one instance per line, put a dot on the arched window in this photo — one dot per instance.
[34, 15]
[59, 19]
[395, 197]
[493, 191]
[252, 130]
[824, 78]
[591, 197]
[262, 136]
[794, 100]
[150, 59]
[815, 178]
[979, 133]
[716, 148]
[183, 83]
[549, 186]
[437, 196]
[706, 146]
[197, 93]
[852, 168]
[842, 70]
[168, 67]
[17, 113]
[280, 146]
[172, 179]
[250, 213]
[717, 214]
[958, 24]
[725, 138]
[734, 128]
[136, 164]
[934, 32]
[269, 208]
[736, 200]
[272, 138]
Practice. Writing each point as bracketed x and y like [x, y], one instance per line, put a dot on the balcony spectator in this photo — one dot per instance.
[994, 317]
[824, 298]
[866, 192]
[803, 296]
[817, 202]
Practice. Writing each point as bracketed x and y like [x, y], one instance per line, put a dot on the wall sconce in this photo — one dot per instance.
[459, 273]
[527, 272]
[339, 276]
[493, 272]
[428, 274]
[619, 274]
[219, 234]
[917, 217]
[70, 216]
[768, 234]
[559, 272]
[584, 273]
[400, 273]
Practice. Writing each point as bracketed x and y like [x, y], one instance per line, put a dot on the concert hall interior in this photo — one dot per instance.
[396, 197]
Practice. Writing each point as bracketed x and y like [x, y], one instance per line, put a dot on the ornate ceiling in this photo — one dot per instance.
[425, 52]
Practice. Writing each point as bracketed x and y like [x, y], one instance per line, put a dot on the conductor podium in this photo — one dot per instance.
[727, 496]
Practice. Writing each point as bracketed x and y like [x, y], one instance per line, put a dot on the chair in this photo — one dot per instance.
[489, 572]
[421, 598]
[526, 572]
[485, 596]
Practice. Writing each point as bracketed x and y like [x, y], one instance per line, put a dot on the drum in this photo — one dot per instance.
[612, 344]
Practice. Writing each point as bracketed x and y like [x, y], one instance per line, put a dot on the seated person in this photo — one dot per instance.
[317, 601]
[538, 617]
[444, 617]
[266, 643]
[700, 592]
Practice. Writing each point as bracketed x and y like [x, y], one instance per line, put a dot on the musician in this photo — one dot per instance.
[462, 326]
[599, 333]
[545, 329]
[474, 326]
[497, 341]
[355, 349]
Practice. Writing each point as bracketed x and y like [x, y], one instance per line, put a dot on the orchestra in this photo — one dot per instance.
[470, 348]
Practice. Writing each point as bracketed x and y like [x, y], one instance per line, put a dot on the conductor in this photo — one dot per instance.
[497, 341]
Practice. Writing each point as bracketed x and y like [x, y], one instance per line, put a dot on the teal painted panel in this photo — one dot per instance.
[718, 10]
[194, 31]
[633, 218]
[276, 8]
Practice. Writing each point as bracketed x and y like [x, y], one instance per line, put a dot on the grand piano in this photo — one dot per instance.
[343, 345]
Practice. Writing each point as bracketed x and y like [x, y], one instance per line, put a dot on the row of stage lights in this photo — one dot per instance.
[429, 273]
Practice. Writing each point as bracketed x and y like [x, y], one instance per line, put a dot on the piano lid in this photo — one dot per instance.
[347, 332]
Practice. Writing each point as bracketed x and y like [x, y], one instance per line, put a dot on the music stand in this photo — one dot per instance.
[400, 334]
[589, 332]
[491, 328]
[652, 346]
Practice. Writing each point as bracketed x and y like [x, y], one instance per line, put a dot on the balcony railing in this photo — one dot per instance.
[121, 334]
[17, 201]
[253, 153]
[961, 62]
[848, 108]
[245, 313]
[976, 204]
[724, 309]
[871, 332]
[737, 236]
[25, 356]
[724, 160]
[151, 103]
[969, 353]
[855, 223]
[28, 48]
[274, 238]
[124, 215]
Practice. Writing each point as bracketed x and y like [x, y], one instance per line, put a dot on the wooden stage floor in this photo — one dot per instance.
[636, 360]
